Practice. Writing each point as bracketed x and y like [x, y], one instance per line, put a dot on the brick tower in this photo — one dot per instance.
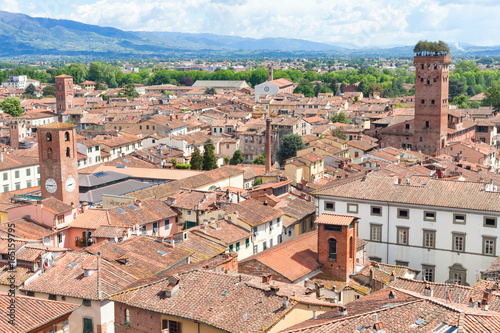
[337, 237]
[58, 162]
[17, 132]
[64, 93]
[270, 73]
[431, 103]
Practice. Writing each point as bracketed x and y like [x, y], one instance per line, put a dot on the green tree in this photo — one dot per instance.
[261, 159]
[30, 90]
[196, 160]
[209, 159]
[12, 106]
[456, 88]
[210, 91]
[492, 96]
[237, 158]
[130, 91]
[48, 91]
[174, 162]
[289, 146]
[340, 118]
[339, 132]
[257, 182]
[461, 101]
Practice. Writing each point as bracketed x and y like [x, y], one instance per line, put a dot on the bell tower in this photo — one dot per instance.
[270, 73]
[337, 239]
[431, 103]
[64, 94]
[58, 162]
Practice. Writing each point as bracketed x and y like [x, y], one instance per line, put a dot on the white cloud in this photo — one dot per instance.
[362, 22]
[10, 6]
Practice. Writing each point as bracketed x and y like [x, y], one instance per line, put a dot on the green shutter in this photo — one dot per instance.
[237, 246]
[231, 248]
[87, 325]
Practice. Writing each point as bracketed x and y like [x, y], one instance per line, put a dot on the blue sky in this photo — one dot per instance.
[359, 22]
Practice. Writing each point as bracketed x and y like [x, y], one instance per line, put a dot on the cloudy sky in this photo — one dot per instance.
[359, 22]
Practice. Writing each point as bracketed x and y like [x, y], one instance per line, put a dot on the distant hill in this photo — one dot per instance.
[25, 36]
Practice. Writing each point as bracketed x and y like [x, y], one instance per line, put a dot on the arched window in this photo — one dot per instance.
[423, 101]
[49, 152]
[332, 249]
[433, 102]
[427, 124]
[127, 316]
[49, 137]
[351, 247]
[66, 136]
[68, 152]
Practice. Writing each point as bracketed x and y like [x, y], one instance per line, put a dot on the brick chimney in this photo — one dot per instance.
[268, 145]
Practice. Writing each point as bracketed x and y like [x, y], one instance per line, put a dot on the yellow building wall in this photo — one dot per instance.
[298, 314]
[3, 217]
[191, 326]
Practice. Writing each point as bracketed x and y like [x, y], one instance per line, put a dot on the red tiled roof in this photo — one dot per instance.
[335, 219]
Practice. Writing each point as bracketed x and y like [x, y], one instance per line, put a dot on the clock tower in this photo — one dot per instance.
[58, 162]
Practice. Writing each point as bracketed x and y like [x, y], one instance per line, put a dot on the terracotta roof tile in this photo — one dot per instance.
[335, 219]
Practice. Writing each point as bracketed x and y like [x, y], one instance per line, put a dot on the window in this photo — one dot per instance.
[28, 183]
[428, 272]
[329, 227]
[458, 242]
[231, 248]
[430, 216]
[6, 188]
[68, 152]
[402, 235]
[429, 238]
[280, 239]
[88, 326]
[489, 245]
[38, 170]
[264, 245]
[189, 212]
[255, 249]
[247, 242]
[66, 136]
[86, 302]
[167, 224]
[17, 174]
[174, 326]
[403, 213]
[490, 222]
[5, 176]
[53, 297]
[423, 101]
[30, 293]
[237, 246]
[96, 148]
[376, 210]
[458, 274]
[376, 232]
[59, 238]
[427, 124]
[18, 186]
[28, 172]
[332, 249]
[329, 205]
[127, 316]
[271, 242]
[49, 137]
[402, 263]
[375, 259]
[352, 208]
[459, 218]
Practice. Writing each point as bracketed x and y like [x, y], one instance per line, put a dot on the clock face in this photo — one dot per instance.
[51, 185]
[70, 184]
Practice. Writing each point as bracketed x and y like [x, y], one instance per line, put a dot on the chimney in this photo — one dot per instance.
[85, 206]
[1, 157]
[267, 278]
[319, 290]
[314, 314]
[173, 286]
[428, 291]
[342, 311]
[268, 145]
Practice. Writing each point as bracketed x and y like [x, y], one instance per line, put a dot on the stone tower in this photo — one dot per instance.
[431, 103]
[337, 237]
[58, 162]
[17, 132]
[64, 93]
[270, 73]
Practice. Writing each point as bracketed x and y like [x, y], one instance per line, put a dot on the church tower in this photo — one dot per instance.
[270, 73]
[58, 162]
[64, 93]
[431, 103]
[337, 239]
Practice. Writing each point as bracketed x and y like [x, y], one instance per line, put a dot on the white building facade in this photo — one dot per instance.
[414, 228]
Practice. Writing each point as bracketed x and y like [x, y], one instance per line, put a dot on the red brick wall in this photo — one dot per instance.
[140, 320]
[429, 139]
[345, 263]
